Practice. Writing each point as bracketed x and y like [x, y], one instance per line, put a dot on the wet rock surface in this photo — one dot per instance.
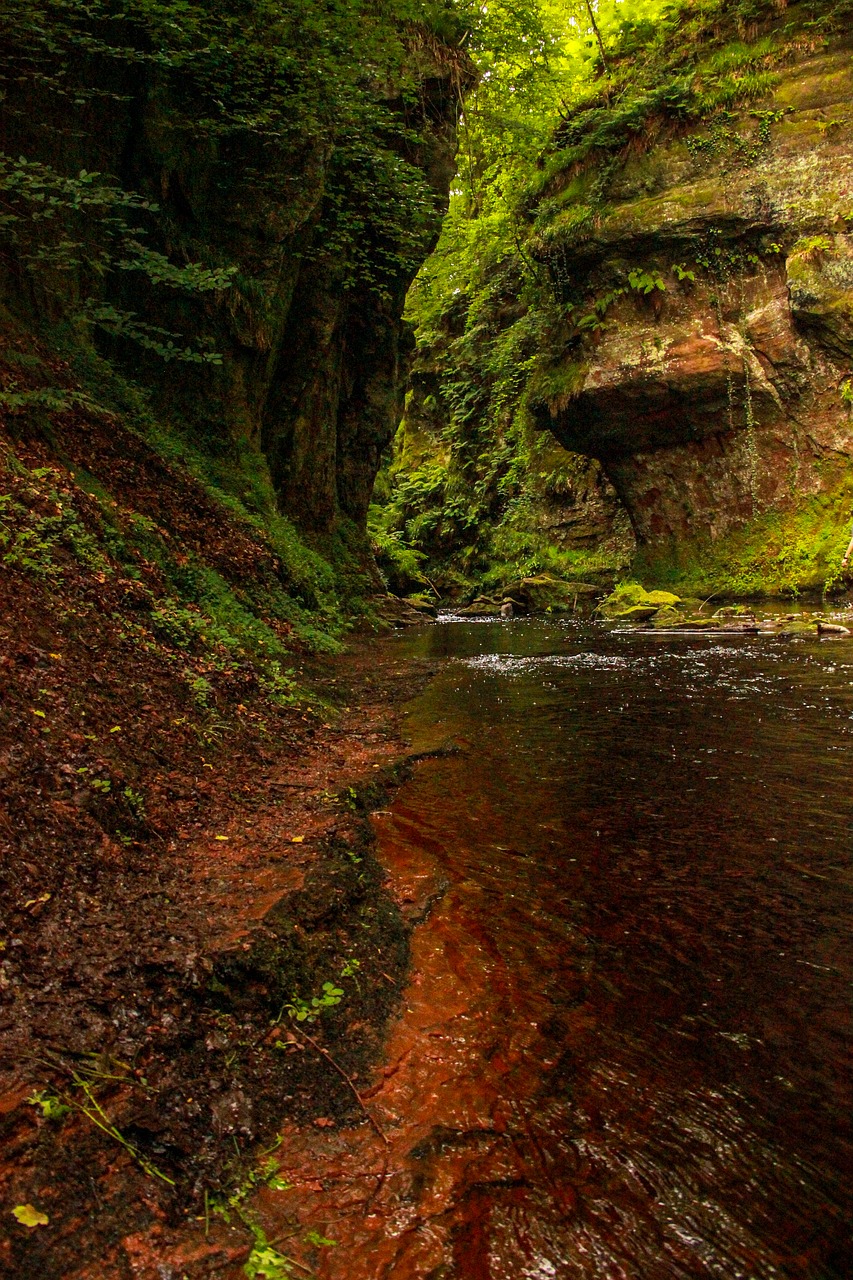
[134, 1100]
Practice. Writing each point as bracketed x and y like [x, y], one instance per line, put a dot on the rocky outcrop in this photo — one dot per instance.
[711, 372]
[312, 218]
[575, 506]
[559, 499]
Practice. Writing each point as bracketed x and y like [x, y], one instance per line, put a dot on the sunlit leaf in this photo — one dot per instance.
[29, 1216]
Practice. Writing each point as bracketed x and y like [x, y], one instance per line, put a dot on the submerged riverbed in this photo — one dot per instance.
[625, 1048]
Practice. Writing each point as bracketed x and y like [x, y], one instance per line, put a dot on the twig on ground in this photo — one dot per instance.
[371, 1118]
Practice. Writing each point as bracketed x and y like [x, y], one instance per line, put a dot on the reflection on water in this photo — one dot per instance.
[625, 1051]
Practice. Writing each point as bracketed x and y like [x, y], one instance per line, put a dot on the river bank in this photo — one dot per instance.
[145, 1041]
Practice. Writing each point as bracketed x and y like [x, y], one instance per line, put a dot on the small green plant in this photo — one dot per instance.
[270, 1263]
[305, 1011]
[811, 248]
[594, 320]
[135, 803]
[201, 689]
[264, 1174]
[177, 624]
[318, 1241]
[646, 281]
[265, 1261]
[52, 1106]
[278, 684]
[84, 1080]
[102, 785]
[683, 273]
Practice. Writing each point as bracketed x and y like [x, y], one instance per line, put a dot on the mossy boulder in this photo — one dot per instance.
[636, 613]
[630, 596]
[667, 617]
[482, 607]
[703, 623]
[421, 605]
[798, 629]
[544, 593]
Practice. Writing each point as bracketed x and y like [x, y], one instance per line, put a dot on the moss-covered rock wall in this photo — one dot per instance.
[303, 155]
[705, 346]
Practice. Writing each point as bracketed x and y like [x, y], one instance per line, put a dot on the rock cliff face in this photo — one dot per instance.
[576, 507]
[712, 377]
[310, 326]
[569, 503]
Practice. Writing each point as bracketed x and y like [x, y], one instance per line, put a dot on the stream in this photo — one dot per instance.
[625, 1048]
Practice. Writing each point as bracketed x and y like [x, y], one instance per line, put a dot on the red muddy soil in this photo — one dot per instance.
[174, 872]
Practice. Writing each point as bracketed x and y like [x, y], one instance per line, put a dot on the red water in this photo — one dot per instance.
[625, 1045]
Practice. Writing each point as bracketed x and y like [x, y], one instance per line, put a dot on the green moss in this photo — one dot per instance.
[777, 554]
[634, 613]
[554, 385]
[632, 602]
[737, 55]
[564, 221]
[666, 618]
[322, 585]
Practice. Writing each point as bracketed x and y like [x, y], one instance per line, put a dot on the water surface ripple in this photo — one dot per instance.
[626, 1046]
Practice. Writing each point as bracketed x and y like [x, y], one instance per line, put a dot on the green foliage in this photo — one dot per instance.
[40, 531]
[264, 1259]
[487, 314]
[593, 321]
[69, 230]
[264, 1173]
[271, 75]
[645, 281]
[86, 1082]
[211, 629]
[267, 1262]
[738, 148]
[399, 563]
[567, 98]
[811, 248]
[210, 621]
[723, 261]
[318, 591]
[310, 1010]
[778, 553]
[50, 1104]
